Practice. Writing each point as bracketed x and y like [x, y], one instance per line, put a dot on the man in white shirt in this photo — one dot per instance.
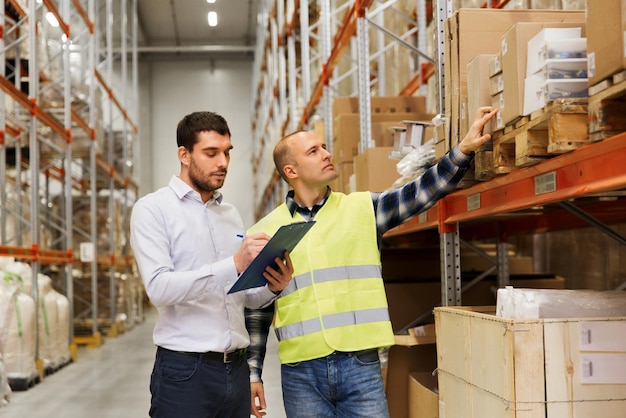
[190, 249]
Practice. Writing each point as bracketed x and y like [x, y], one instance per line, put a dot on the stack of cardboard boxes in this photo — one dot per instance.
[472, 32]
[370, 167]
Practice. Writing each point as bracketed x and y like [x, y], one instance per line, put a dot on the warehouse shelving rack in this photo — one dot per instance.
[568, 194]
[321, 71]
[53, 75]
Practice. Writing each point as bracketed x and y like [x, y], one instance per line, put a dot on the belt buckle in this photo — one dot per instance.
[226, 360]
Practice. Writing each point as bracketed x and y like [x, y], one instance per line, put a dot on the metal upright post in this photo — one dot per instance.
[380, 62]
[421, 43]
[282, 62]
[93, 179]
[68, 204]
[291, 73]
[110, 156]
[327, 92]
[304, 52]
[365, 122]
[444, 10]
[450, 247]
[34, 160]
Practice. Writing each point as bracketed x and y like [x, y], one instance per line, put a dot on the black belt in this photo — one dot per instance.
[229, 357]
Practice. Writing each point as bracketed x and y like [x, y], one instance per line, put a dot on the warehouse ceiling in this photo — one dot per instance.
[181, 27]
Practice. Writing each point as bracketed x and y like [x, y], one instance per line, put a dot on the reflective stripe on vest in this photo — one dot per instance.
[331, 274]
[341, 319]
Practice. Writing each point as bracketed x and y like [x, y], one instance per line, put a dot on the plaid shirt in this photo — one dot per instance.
[391, 207]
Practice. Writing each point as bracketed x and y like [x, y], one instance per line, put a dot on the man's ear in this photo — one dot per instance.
[290, 171]
[183, 155]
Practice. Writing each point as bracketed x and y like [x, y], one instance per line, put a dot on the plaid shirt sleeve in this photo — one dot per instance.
[393, 207]
[258, 322]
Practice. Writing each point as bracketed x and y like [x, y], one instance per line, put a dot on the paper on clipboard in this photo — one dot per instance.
[285, 239]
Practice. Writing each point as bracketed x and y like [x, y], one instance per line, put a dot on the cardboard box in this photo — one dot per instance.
[402, 361]
[496, 84]
[498, 367]
[346, 132]
[478, 93]
[495, 64]
[472, 32]
[423, 395]
[514, 62]
[381, 104]
[538, 46]
[374, 170]
[606, 39]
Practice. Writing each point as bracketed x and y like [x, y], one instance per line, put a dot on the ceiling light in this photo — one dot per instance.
[210, 1]
[212, 19]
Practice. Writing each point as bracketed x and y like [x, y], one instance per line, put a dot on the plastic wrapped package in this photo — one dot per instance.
[415, 163]
[63, 329]
[48, 324]
[19, 348]
[562, 303]
[6, 308]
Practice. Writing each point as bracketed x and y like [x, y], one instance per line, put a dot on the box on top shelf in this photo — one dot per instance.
[479, 31]
[479, 90]
[346, 132]
[516, 44]
[606, 42]
[529, 368]
[546, 43]
[381, 104]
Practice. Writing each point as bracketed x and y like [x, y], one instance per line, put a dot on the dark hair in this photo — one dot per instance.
[196, 122]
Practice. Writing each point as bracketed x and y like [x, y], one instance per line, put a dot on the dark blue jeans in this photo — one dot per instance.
[340, 385]
[184, 386]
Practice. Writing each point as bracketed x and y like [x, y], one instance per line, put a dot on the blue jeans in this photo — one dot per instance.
[339, 385]
[184, 386]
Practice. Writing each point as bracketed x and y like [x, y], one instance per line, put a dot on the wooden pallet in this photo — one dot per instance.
[561, 126]
[607, 106]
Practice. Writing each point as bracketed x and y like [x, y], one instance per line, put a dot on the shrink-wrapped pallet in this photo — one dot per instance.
[559, 303]
[19, 350]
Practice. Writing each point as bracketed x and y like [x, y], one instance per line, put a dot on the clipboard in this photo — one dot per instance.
[285, 239]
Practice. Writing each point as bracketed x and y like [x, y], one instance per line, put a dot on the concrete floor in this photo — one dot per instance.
[112, 381]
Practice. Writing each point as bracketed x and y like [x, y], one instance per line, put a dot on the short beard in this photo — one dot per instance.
[205, 186]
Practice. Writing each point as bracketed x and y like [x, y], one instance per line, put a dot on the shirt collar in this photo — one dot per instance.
[293, 206]
[182, 189]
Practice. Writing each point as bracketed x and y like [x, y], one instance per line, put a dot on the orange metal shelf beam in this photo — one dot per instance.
[34, 253]
[590, 169]
[594, 168]
[83, 13]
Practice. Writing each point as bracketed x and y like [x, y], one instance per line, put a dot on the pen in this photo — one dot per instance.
[239, 235]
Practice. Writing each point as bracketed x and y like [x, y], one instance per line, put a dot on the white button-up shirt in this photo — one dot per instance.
[184, 249]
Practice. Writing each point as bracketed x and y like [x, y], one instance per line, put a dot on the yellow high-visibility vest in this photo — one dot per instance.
[336, 300]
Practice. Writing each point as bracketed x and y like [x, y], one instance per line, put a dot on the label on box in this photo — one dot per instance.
[87, 252]
[603, 368]
[602, 336]
[591, 64]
